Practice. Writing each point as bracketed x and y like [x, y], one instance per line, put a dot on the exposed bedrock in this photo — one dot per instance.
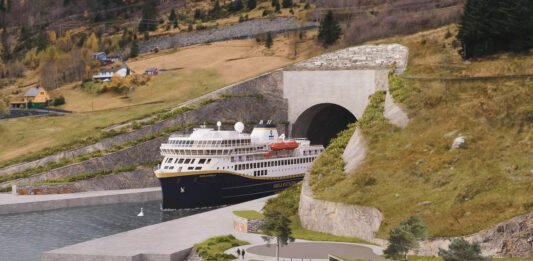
[511, 238]
[355, 152]
[394, 112]
[337, 218]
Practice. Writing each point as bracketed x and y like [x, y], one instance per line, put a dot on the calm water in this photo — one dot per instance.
[23, 237]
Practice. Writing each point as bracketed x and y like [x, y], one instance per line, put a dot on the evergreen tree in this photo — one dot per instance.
[276, 225]
[330, 30]
[489, 26]
[278, 6]
[149, 16]
[405, 237]
[175, 23]
[461, 250]
[172, 15]
[252, 4]
[275, 2]
[134, 50]
[269, 41]
[287, 3]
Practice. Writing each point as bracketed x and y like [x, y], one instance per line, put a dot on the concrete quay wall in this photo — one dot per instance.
[10, 203]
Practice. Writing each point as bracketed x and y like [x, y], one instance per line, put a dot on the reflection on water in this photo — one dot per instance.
[23, 237]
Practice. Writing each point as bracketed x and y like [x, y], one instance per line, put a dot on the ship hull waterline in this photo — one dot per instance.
[214, 188]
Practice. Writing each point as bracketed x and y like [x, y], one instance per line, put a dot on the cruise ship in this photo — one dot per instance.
[214, 167]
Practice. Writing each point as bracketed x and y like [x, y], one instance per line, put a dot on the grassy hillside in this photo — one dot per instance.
[413, 171]
[201, 69]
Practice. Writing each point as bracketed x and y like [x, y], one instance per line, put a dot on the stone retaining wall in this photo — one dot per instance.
[337, 218]
[248, 29]
[245, 225]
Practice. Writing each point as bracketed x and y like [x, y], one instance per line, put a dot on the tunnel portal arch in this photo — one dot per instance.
[321, 122]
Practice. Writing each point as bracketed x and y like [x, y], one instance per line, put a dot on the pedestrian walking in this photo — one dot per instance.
[243, 254]
[239, 253]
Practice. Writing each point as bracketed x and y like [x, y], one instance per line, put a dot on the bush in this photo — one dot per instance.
[213, 248]
[59, 101]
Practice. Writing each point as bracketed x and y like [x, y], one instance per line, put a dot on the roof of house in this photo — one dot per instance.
[32, 92]
[151, 69]
[112, 70]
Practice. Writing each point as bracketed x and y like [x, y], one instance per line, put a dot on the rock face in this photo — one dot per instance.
[459, 143]
[511, 238]
[338, 219]
[248, 29]
[394, 113]
[361, 57]
[355, 152]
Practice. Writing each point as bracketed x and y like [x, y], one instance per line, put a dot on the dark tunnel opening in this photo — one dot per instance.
[322, 122]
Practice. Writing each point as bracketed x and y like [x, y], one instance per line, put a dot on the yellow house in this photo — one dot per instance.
[35, 97]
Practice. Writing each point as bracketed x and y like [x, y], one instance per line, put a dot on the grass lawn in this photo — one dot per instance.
[24, 136]
[213, 248]
[248, 214]
[456, 192]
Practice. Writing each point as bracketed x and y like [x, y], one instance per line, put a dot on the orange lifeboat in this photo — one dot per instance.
[291, 145]
[268, 154]
[284, 145]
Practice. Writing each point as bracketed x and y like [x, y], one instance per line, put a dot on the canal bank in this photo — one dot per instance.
[171, 240]
[11, 204]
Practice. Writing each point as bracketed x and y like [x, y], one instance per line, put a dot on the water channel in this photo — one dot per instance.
[24, 236]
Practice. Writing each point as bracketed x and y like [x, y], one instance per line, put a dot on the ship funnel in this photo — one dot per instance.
[264, 133]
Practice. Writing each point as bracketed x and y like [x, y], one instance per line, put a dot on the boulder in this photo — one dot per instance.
[459, 143]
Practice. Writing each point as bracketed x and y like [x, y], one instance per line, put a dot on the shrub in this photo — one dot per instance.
[59, 101]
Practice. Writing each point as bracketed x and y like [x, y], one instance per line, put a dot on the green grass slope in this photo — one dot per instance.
[414, 172]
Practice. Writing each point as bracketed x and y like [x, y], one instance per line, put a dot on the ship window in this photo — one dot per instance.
[201, 161]
[192, 161]
[176, 160]
[208, 161]
[166, 167]
[171, 167]
[247, 166]
[190, 168]
[187, 161]
[181, 161]
[198, 168]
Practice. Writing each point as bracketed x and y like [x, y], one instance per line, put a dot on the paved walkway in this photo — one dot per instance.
[310, 250]
[10, 203]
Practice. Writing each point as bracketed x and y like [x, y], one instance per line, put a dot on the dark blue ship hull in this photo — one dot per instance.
[215, 188]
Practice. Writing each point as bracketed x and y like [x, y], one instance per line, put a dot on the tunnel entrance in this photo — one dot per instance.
[322, 122]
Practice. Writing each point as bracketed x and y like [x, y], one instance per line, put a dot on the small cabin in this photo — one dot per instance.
[35, 97]
[151, 71]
